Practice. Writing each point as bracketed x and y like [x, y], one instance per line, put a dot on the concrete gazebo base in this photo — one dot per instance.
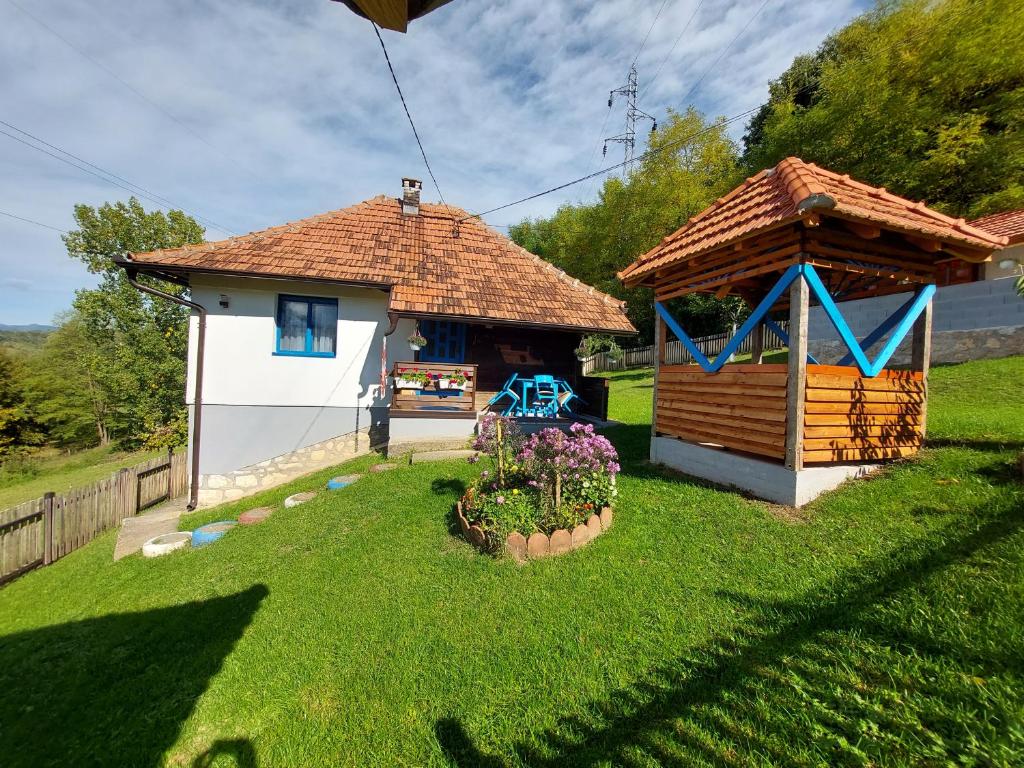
[762, 478]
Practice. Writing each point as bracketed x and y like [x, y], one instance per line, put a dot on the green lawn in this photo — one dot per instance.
[60, 472]
[883, 625]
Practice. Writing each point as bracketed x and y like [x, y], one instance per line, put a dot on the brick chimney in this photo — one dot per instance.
[411, 196]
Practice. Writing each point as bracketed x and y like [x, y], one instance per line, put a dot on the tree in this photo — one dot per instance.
[74, 386]
[16, 425]
[922, 97]
[127, 349]
[692, 163]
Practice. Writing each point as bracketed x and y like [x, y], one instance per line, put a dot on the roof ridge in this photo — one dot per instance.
[800, 180]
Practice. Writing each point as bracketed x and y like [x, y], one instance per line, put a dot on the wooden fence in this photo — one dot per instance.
[43, 530]
[677, 354]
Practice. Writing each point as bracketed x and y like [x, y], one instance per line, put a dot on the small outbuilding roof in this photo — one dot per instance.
[795, 190]
[435, 262]
[1008, 224]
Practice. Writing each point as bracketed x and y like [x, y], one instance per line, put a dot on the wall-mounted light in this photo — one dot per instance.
[1008, 264]
[225, 300]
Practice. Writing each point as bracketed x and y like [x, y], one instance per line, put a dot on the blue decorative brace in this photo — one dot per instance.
[907, 316]
[900, 323]
[755, 317]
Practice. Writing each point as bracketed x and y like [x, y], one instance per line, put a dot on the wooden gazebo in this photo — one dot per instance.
[789, 236]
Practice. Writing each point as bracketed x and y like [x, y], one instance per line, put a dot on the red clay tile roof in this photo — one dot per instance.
[794, 189]
[1009, 224]
[476, 274]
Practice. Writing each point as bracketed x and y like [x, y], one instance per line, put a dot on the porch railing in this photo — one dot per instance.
[440, 393]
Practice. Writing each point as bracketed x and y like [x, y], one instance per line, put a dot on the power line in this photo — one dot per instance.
[103, 174]
[33, 221]
[723, 52]
[129, 86]
[672, 49]
[415, 133]
[649, 153]
[649, 30]
[675, 143]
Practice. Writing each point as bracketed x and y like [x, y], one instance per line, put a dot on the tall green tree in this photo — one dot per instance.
[923, 97]
[693, 162]
[127, 349]
[16, 423]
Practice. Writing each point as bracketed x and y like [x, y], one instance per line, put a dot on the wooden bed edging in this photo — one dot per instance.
[540, 545]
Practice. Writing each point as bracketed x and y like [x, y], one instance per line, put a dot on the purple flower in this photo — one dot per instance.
[500, 499]
[474, 459]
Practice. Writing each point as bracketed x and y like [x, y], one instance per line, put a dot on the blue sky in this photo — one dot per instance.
[252, 114]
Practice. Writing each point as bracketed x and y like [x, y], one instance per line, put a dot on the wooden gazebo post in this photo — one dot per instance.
[796, 381]
[921, 357]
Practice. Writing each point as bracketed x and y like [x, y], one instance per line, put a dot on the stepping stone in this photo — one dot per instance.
[299, 498]
[383, 467]
[253, 516]
[342, 481]
[418, 458]
[166, 543]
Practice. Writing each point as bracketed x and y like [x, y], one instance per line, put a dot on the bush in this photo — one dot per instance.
[550, 480]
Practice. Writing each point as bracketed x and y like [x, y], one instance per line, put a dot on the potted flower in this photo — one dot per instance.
[410, 378]
[454, 380]
[417, 341]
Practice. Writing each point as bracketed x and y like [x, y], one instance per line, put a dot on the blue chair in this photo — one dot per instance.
[506, 391]
[567, 395]
[545, 397]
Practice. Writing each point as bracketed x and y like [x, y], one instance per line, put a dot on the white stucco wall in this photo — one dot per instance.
[242, 369]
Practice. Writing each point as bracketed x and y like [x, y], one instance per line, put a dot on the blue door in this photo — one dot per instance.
[446, 341]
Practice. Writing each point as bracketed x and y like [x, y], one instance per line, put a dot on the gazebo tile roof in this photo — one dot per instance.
[788, 192]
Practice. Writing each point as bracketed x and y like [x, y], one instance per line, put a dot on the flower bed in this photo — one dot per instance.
[546, 494]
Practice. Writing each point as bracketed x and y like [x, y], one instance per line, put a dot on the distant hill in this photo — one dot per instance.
[23, 340]
[30, 328]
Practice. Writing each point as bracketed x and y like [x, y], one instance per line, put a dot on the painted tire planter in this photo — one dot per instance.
[209, 533]
[540, 545]
[299, 498]
[342, 481]
[166, 543]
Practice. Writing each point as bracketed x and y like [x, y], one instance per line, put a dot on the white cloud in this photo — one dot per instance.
[298, 115]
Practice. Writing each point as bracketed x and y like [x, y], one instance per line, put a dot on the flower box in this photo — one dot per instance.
[401, 383]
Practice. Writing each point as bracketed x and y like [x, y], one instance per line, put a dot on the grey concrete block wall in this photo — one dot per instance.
[969, 321]
[965, 307]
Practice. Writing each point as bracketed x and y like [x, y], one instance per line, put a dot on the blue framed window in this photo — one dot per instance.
[306, 326]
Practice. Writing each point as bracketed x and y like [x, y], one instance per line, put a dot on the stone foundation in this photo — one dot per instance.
[217, 489]
[947, 346]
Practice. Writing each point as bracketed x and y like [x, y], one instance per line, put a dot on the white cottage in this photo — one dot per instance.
[297, 330]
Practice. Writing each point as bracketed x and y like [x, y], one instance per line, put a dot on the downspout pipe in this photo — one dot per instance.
[197, 419]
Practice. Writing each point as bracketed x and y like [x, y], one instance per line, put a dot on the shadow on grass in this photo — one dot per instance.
[237, 752]
[115, 690]
[832, 677]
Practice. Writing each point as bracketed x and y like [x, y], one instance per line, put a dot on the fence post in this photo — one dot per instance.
[170, 473]
[48, 527]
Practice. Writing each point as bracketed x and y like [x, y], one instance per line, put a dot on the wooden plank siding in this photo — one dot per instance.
[742, 407]
[850, 417]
